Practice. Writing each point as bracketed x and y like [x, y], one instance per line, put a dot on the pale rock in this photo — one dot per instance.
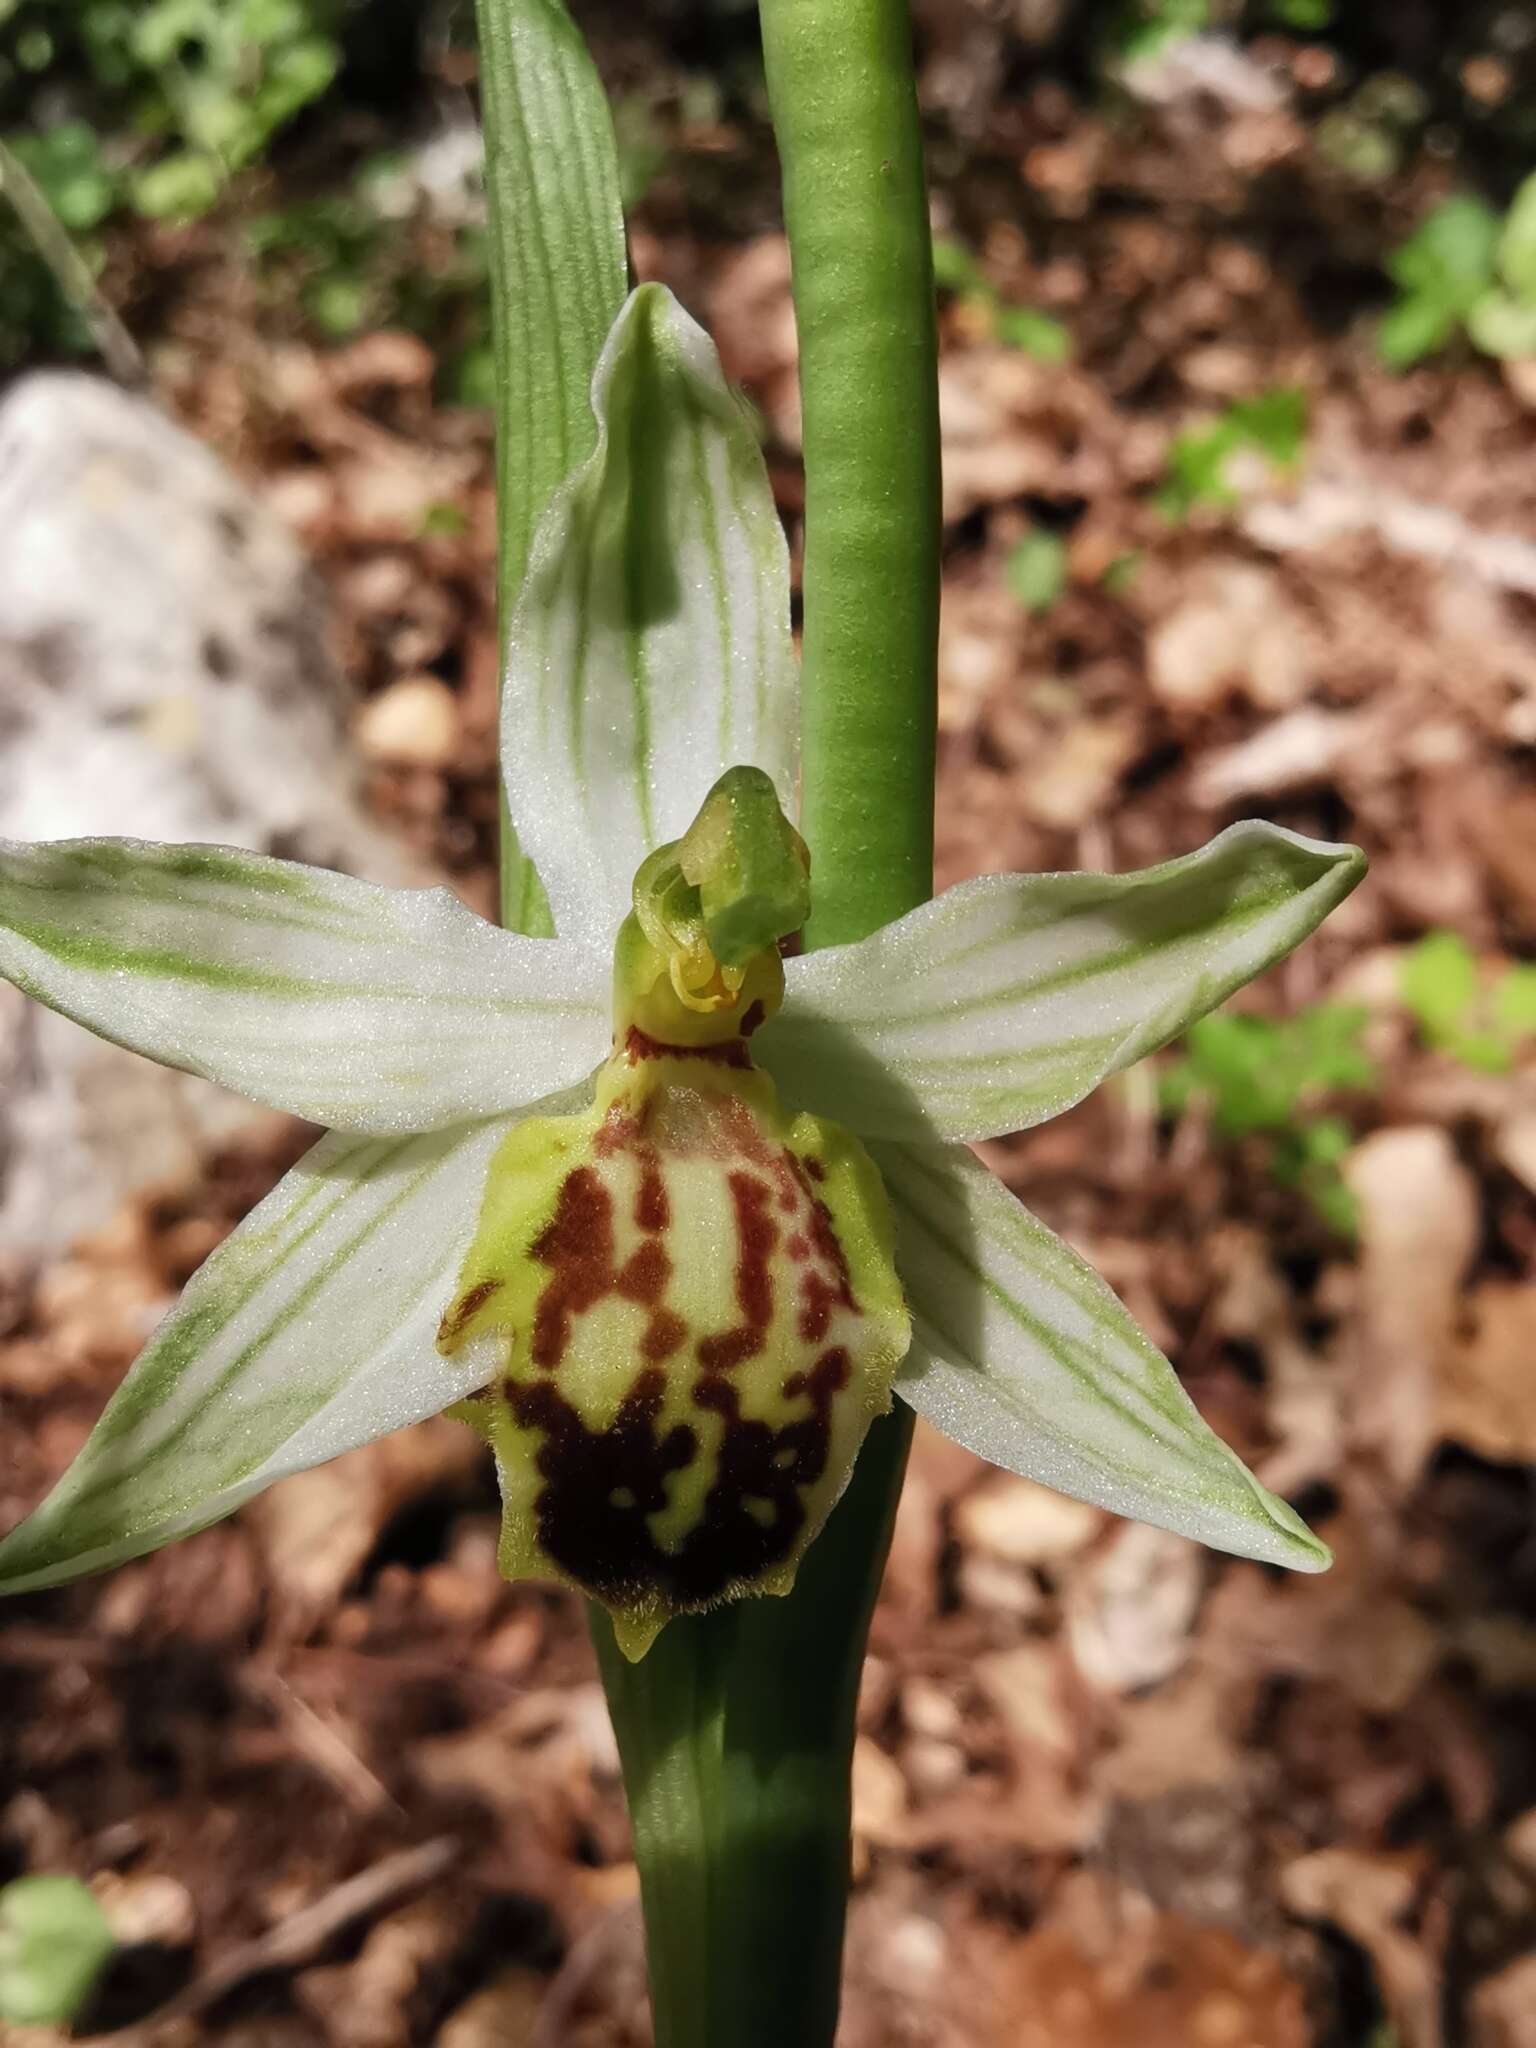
[1018, 1522]
[414, 723]
[1131, 1610]
[934, 1768]
[164, 674]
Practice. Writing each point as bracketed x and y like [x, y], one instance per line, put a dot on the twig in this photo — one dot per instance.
[305, 1935]
[323, 1744]
[71, 273]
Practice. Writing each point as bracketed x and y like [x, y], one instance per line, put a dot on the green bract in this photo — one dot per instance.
[479, 1128]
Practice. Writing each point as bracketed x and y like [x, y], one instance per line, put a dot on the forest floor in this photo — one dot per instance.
[341, 1785]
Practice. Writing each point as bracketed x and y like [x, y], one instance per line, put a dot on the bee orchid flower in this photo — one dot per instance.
[664, 1210]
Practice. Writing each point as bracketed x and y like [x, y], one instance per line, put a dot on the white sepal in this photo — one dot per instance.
[1009, 998]
[309, 1331]
[1023, 1355]
[368, 1009]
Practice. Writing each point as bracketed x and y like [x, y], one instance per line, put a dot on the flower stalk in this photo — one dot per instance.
[737, 1729]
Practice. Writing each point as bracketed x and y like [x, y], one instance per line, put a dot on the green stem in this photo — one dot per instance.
[737, 1729]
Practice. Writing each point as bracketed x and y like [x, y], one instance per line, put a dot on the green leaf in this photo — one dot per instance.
[1504, 326]
[1024, 1356]
[1439, 982]
[1275, 422]
[1514, 1002]
[1451, 255]
[1256, 1071]
[650, 650]
[1517, 244]
[1036, 570]
[180, 187]
[1037, 334]
[955, 269]
[559, 271]
[1414, 328]
[1011, 997]
[365, 1008]
[54, 1940]
[308, 1332]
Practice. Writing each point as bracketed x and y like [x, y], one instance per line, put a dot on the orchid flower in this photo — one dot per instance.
[666, 1212]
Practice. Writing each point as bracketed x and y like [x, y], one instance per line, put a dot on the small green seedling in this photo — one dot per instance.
[1036, 570]
[956, 271]
[1260, 1077]
[1272, 426]
[1482, 1019]
[54, 1942]
[1143, 29]
[1465, 268]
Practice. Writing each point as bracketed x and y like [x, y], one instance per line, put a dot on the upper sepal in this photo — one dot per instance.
[650, 648]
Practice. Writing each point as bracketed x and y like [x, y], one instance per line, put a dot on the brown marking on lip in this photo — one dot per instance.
[756, 1237]
[601, 1485]
[645, 1273]
[463, 1312]
[577, 1245]
[814, 1168]
[653, 1210]
[817, 1301]
[639, 1045]
[753, 1017]
[664, 1334]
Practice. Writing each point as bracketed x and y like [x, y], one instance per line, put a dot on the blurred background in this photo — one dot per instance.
[1238, 310]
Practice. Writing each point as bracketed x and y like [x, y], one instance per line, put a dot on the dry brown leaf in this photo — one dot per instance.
[1131, 1609]
[1418, 1209]
[1369, 1898]
[1488, 1383]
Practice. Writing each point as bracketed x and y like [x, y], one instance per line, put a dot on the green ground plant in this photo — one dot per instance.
[1465, 269]
[1267, 1077]
[54, 1944]
[1272, 426]
[1482, 1014]
[957, 272]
